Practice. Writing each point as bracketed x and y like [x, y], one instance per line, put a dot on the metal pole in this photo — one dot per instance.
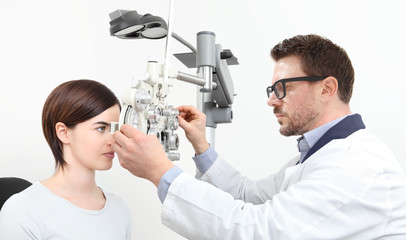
[206, 62]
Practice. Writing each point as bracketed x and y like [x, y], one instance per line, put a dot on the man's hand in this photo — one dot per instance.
[141, 154]
[194, 123]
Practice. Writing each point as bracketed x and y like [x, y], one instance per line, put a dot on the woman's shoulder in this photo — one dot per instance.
[112, 197]
[28, 194]
[23, 202]
[115, 201]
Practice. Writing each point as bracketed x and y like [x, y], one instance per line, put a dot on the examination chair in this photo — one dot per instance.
[10, 186]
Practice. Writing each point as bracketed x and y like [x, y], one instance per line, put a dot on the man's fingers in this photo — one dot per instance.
[182, 122]
[182, 108]
[129, 131]
[125, 134]
[190, 113]
[120, 138]
[116, 147]
[187, 109]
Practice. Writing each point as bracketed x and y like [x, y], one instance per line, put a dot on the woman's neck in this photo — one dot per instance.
[77, 186]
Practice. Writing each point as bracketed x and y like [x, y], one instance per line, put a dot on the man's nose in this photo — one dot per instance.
[273, 101]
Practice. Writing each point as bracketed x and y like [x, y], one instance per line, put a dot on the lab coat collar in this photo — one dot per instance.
[343, 129]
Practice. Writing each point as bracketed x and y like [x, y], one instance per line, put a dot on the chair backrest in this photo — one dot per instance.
[10, 186]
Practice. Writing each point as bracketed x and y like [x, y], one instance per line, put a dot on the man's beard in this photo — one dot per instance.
[298, 123]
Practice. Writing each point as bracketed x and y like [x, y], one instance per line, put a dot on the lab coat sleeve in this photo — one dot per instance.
[227, 178]
[198, 210]
[335, 191]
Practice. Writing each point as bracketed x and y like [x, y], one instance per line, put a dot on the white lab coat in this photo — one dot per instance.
[350, 189]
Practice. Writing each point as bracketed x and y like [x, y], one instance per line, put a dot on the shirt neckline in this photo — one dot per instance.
[70, 204]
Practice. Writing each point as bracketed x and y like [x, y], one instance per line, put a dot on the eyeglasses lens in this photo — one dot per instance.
[279, 91]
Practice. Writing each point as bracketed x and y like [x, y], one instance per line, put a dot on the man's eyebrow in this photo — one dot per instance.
[102, 123]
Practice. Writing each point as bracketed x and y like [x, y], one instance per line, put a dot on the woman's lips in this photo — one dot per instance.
[109, 154]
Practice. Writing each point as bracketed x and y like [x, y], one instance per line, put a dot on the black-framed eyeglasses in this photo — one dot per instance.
[280, 89]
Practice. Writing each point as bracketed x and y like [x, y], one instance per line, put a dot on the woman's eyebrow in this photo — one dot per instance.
[102, 123]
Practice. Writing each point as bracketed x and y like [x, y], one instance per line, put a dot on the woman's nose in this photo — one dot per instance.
[110, 139]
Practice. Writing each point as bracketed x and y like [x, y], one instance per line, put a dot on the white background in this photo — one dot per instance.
[47, 42]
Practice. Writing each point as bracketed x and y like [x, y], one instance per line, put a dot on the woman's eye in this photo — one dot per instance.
[101, 129]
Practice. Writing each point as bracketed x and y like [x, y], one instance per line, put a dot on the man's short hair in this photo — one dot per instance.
[319, 57]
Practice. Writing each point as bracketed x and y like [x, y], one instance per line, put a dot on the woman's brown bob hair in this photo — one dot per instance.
[71, 103]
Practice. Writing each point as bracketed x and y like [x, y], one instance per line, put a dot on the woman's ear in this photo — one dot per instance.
[330, 88]
[62, 132]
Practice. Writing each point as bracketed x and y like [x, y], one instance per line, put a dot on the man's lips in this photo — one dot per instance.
[279, 115]
[109, 154]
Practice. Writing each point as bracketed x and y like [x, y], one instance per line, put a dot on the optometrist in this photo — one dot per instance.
[344, 183]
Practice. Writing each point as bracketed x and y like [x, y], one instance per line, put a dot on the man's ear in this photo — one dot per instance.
[330, 88]
[62, 132]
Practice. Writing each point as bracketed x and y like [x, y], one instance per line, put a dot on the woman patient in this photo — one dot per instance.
[69, 205]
